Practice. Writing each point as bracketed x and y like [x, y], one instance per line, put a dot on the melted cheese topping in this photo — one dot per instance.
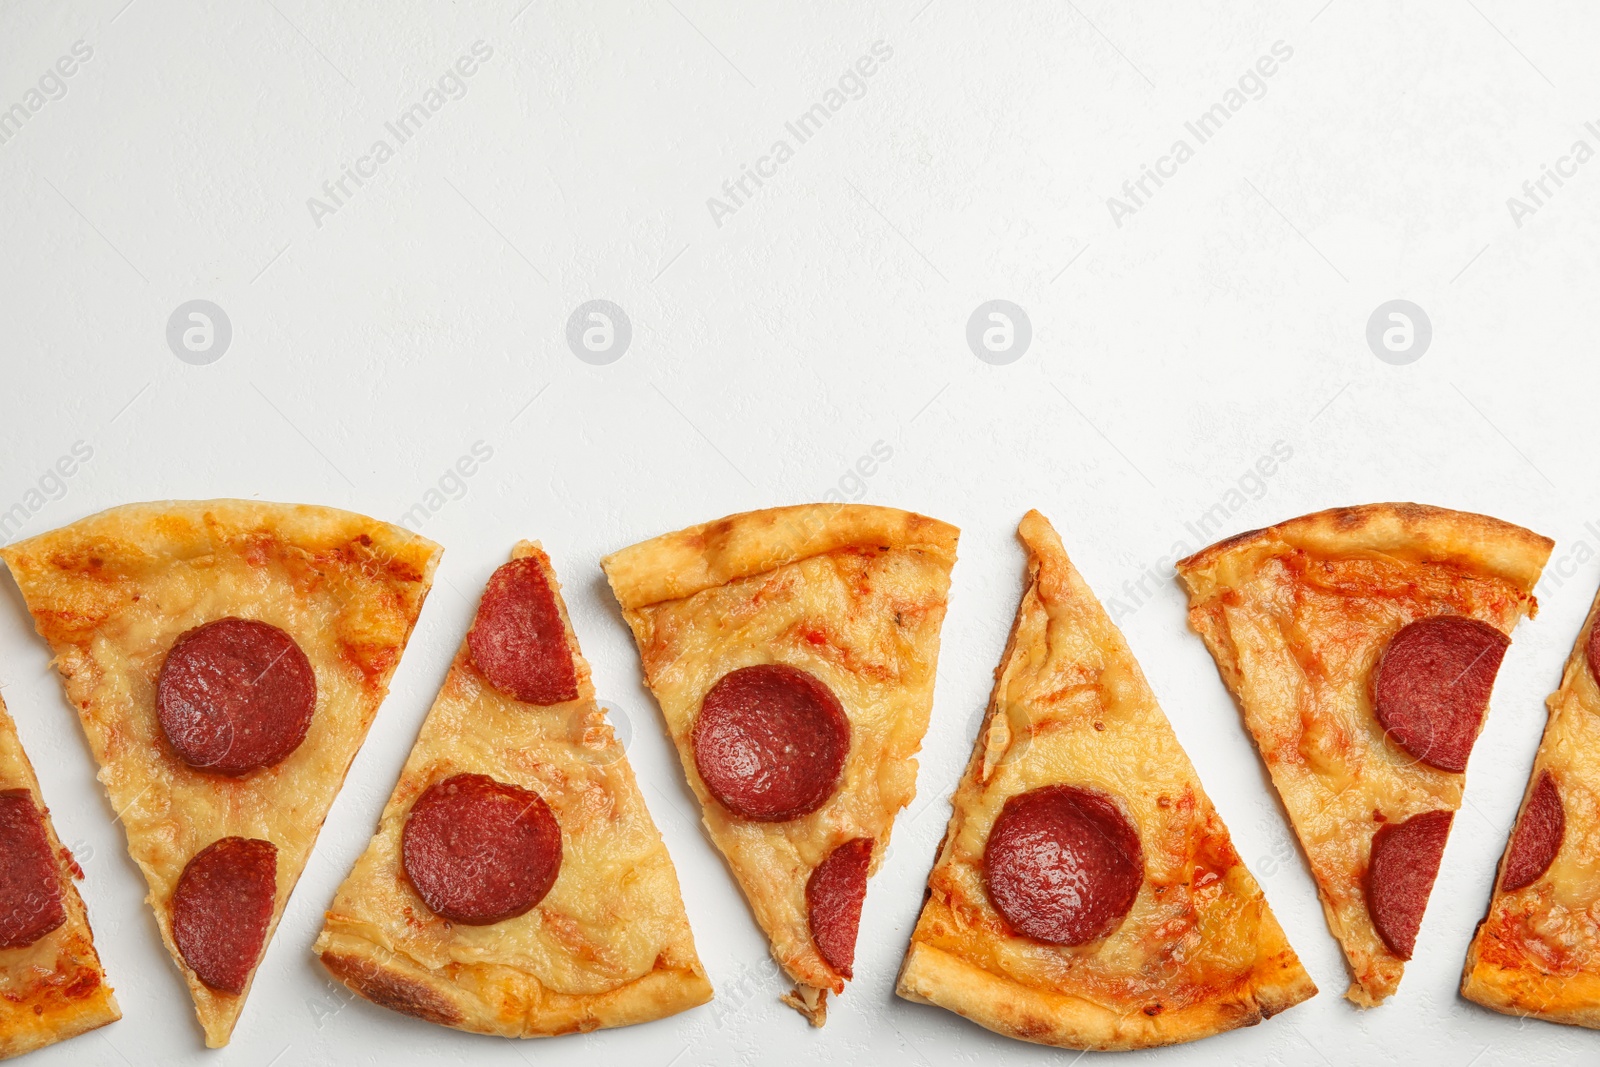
[1297, 637]
[53, 988]
[866, 623]
[111, 607]
[1071, 706]
[614, 914]
[1538, 951]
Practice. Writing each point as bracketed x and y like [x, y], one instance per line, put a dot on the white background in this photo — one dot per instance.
[825, 315]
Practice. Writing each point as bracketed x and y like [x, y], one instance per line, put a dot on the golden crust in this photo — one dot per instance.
[1412, 532]
[931, 976]
[1070, 704]
[1296, 616]
[855, 596]
[460, 1000]
[1536, 953]
[111, 592]
[54, 988]
[608, 946]
[678, 565]
[165, 532]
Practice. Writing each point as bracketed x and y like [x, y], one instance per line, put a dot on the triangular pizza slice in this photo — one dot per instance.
[226, 658]
[516, 885]
[51, 984]
[1538, 952]
[1087, 895]
[792, 652]
[1362, 644]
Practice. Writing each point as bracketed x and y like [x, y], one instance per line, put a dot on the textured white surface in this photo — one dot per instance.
[826, 314]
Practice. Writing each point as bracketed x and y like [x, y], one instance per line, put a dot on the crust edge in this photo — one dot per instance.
[1528, 996]
[1502, 548]
[681, 564]
[933, 976]
[104, 1013]
[179, 527]
[393, 982]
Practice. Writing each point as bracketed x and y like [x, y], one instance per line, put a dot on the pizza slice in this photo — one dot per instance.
[52, 986]
[1538, 952]
[1087, 895]
[516, 885]
[1362, 644]
[226, 658]
[792, 652]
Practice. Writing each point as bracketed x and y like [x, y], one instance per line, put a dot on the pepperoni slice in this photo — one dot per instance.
[770, 742]
[30, 884]
[834, 893]
[235, 695]
[480, 851]
[1405, 861]
[1063, 864]
[518, 640]
[1538, 836]
[222, 908]
[1432, 687]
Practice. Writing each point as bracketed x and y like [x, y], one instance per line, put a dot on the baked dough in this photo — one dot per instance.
[854, 595]
[110, 593]
[54, 988]
[1199, 953]
[608, 946]
[1297, 617]
[1537, 953]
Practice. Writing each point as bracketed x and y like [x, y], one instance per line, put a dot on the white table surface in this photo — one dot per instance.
[775, 342]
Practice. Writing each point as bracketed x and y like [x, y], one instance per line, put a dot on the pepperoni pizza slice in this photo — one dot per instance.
[51, 984]
[792, 652]
[226, 659]
[516, 885]
[1362, 644]
[1087, 895]
[1538, 951]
